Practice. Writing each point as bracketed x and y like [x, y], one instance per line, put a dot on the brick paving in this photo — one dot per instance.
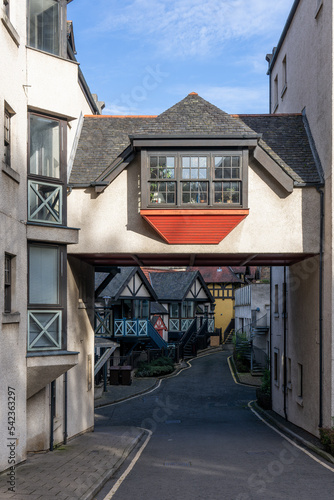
[74, 471]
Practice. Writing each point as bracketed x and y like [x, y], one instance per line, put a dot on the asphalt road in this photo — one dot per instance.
[207, 444]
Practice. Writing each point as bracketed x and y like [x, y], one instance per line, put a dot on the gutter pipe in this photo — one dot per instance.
[321, 265]
[65, 408]
[285, 346]
[52, 411]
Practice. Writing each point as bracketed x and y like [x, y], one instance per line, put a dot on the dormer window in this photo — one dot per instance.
[189, 179]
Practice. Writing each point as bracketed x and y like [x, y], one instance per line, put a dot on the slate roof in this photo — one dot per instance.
[117, 284]
[224, 274]
[174, 286]
[157, 308]
[285, 139]
[104, 138]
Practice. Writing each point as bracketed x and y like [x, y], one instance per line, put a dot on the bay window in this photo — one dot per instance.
[213, 180]
[46, 293]
[46, 172]
[44, 25]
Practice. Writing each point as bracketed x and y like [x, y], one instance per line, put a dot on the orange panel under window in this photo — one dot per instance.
[193, 227]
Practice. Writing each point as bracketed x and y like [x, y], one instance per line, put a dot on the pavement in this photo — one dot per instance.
[79, 469]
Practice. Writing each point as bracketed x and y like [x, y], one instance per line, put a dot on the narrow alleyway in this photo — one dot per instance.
[206, 443]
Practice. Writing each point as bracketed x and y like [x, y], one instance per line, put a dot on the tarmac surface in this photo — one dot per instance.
[79, 469]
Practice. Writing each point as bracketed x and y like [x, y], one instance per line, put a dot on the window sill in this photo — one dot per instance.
[52, 234]
[10, 28]
[11, 172]
[53, 55]
[9, 318]
[34, 354]
[300, 401]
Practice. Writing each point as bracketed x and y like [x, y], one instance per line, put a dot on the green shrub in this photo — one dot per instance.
[263, 393]
[157, 367]
[265, 387]
[327, 438]
[242, 364]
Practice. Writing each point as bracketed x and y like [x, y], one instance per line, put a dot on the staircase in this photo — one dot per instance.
[257, 369]
[260, 330]
[229, 338]
[188, 349]
[244, 347]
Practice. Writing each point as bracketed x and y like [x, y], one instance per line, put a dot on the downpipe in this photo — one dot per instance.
[52, 411]
[285, 346]
[321, 265]
[65, 408]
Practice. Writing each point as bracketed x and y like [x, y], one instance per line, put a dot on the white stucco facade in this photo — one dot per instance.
[38, 81]
[305, 56]
[294, 217]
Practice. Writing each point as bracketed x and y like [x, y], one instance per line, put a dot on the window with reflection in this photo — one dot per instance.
[46, 297]
[46, 169]
[44, 25]
[190, 180]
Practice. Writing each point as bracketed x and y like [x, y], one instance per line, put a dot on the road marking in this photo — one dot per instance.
[131, 397]
[273, 428]
[290, 440]
[233, 374]
[156, 386]
[130, 467]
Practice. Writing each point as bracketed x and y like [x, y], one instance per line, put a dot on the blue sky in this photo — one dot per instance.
[143, 56]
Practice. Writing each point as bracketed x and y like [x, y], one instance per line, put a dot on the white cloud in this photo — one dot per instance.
[114, 108]
[193, 27]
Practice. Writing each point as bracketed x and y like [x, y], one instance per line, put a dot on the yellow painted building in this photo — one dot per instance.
[222, 283]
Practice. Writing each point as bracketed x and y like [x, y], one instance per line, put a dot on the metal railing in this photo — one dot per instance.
[244, 343]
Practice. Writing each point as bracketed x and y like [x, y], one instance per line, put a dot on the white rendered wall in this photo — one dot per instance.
[113, 220]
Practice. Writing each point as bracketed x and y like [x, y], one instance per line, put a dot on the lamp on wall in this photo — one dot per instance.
[107, 300]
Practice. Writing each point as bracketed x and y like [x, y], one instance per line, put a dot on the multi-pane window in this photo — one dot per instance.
[46, 175]
[7, 137]
[194, 188]
[188, 309]
[191, 179]
[141, 309]
[47, 281]
[44, 25]
[162, 186]
[228, 189]
[174, 310]
[8, 283]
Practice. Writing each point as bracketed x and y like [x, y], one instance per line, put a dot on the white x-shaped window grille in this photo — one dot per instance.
[119, 327]
[102, 322]
[44, 330]
[44, 202]
[131, 327]
[185, 323]
[174, 325]
[211, 325]
[142, 328]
